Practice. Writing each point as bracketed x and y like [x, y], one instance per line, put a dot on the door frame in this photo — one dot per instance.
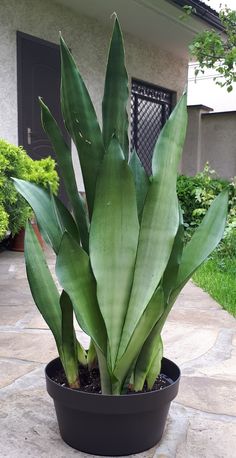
[19, 38]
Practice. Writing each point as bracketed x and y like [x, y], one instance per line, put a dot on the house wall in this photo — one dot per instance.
[88, 40]
[210, 137]
[219, 142]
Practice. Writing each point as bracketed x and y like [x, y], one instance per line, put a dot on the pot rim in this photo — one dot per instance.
[113, 396]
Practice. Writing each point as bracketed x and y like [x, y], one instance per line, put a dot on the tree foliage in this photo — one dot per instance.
[217, 50]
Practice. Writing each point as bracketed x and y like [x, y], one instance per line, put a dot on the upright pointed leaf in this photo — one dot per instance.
[116, 93]
[141, 180]
[81, 353]
[172, 268]
[92, 355]
[104, 372]
[64, 160]
[148, 365]
[204, 241]
[81, 122]
[160, 219]
[43, 288]
[145, 325]
[75, 275]
[68, 342]
[113, 241]
[155, 367]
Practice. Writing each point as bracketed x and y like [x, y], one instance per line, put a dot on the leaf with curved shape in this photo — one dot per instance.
[75, 276]
[204, 240]
[64, 218]
[155, 368]
[151, 315]
[160, 219]
[42, 286]
[116, 93]
[52, 216]
[41, 203]
[64, 160]
[113, 241]
[81, 122]
[148, 365]
[172, 268]
[69, 342]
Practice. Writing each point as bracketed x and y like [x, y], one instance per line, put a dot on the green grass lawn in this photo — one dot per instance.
[217, 276]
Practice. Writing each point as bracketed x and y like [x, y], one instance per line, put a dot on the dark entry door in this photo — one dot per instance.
[38, 75]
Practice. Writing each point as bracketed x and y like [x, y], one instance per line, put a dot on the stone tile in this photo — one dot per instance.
[11, 315]
[208, 395]
[183, 342]
[10, 370]
[207, 318]
[36, 322]
[208, 438]
[16, 294]
[35, 346]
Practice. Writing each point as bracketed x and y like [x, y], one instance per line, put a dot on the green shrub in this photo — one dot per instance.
[14, 162]
[3, 222]
[196, 195]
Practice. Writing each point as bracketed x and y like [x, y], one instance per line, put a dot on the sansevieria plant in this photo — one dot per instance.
[120, 259]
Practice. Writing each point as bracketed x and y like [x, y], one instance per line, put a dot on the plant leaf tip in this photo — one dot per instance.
[114, 15]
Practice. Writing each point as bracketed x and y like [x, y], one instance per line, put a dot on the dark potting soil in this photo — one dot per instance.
[90, 381]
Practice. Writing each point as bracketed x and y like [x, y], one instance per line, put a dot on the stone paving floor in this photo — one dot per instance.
[199, 336]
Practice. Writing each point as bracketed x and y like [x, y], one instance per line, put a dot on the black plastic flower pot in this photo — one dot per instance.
[112, 425]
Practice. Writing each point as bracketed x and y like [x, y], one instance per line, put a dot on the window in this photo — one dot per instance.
[150, 108]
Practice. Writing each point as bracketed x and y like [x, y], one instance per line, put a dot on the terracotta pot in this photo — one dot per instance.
[112, 425]
[17, 243]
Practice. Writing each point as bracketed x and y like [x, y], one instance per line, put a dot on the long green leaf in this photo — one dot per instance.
[155, 368]
[43, 288]
[64, 218]
[42, 205]
[172, 268]
[81, 122]
[52, 216]
[104, 372]
[75, 275]
[141, 180]
[69, 342]
[64, 160]
[116, 93]
[160, 219]
[145, 325]
[204, 241]
[113, 241]
[81, 353]
[92, 355]
[149, 362]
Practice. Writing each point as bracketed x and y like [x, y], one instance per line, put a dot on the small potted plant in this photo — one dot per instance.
[14, 161]
[121, 263]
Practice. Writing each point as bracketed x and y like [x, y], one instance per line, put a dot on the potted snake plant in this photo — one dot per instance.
[121, 263]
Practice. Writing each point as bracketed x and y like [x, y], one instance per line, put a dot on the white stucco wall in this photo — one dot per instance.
[89, 41]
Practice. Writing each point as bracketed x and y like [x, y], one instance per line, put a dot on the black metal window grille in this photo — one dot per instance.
[150, 108]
